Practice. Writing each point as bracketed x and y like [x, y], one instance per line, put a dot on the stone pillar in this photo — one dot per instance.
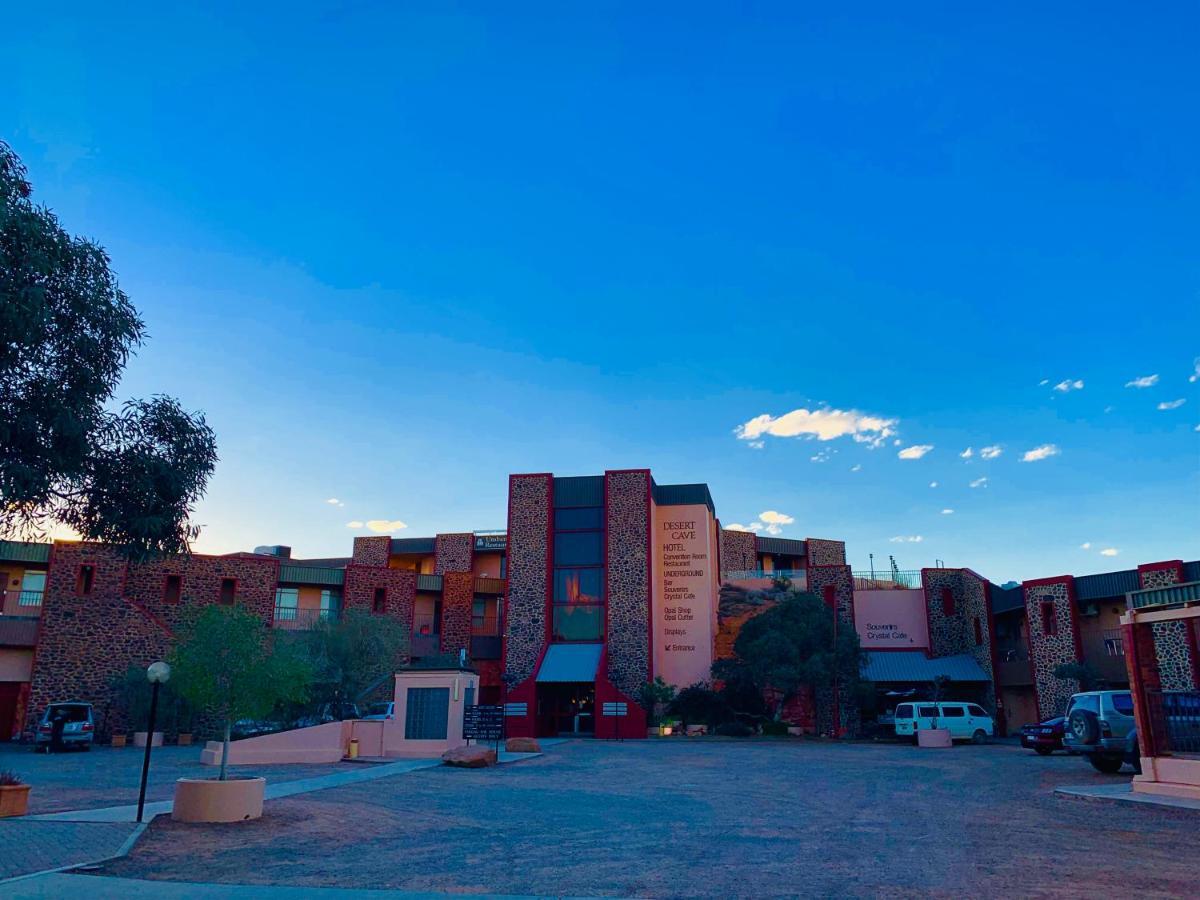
[738, 551]
[627, 506]
[453, 553]
[372, 551]
[530, 498]
[458, 596]
[1049, 650]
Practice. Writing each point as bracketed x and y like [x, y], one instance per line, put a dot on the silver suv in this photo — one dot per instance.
[1100, 725]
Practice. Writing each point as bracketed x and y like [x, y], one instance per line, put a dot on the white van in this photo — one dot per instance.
[966, 721]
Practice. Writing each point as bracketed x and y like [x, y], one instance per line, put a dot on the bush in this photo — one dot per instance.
[699, 704]
[734, 729]
[9, 778]
[775, 729]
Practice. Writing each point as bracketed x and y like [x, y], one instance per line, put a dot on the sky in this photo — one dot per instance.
[924, 279]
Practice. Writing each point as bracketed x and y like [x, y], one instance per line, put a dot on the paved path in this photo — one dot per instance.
[1123, 793]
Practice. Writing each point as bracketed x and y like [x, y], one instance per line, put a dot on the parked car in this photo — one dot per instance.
[329, 712]
[966, 721]
[1100, 726]
[1044, 737]
[78, 726]
[380, 711]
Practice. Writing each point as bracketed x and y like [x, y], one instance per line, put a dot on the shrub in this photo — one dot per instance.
[775, 729]
[700, 704]
[734, 729]
[8, 778]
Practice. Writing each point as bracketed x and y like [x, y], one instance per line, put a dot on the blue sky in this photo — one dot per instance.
[396, 255]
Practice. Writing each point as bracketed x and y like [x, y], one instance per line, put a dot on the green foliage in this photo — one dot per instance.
[133, 692]
[734, 729]
[699, 704]
[1089, 679]
[790, 645]
[9, 778]
[128, 477]
[654, 696]
[775, 729]
[351, 655]
[226, 662]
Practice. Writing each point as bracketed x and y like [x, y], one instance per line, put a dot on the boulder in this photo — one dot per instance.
[522, 745]
[473, 757]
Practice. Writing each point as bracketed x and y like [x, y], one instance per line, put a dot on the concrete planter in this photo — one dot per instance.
[185, 739]
[14, 800]
[934, 737]
[208, 800]
[139, 739]
[118, 740]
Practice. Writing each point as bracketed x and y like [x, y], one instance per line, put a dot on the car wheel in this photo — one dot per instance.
[1109, 765]
[1042, 751]
[1084, 725]
[980, 736]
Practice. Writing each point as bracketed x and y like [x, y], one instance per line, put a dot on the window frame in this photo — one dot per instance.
[1049, 617]
[221, 592]
[379, 601]
[167, 597]
[85, 579]
[601, 568]
[948, 605]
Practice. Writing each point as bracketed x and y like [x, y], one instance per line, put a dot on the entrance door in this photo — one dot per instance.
[567, 709]
[10, 695]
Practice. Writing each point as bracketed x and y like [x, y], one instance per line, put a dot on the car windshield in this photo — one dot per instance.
[73, 712]
[1090, 702]
[904, 711]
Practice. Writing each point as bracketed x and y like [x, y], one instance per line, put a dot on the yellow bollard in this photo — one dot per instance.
[353, 752]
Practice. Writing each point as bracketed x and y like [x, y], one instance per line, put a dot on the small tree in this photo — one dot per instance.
[227, 662]
[939, 686]
[351, 655]
[1087, 677]
[699, 703]
[654, 697]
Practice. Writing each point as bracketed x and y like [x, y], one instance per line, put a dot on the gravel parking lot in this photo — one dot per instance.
[705, 818]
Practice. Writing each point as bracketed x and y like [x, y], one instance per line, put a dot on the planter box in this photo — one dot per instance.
[14, 800]
[139, 739]
[118, 740]
[209, 800]
[934, 737]
[185, 739]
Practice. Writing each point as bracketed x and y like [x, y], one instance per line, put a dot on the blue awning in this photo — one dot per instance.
[569, 663]
[915, 666]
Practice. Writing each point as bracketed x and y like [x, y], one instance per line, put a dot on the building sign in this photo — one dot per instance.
[491, 542]
[483, 723]
[891, 620]
[683, 548]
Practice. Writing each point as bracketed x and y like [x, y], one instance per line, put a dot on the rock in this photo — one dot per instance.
[474, 757]
[522, 745]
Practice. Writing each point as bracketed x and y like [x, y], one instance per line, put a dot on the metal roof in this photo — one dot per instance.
[413, 545]
[570, 663]
[1191, 570]
[683, 495]
[1007, 599]
[1106, 584]
[1171, 595]
[291, 573]
[915, 666]
[24, 551]
[579, 490]
[784, 546]
[429, 582]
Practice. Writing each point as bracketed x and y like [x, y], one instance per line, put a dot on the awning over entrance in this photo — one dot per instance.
[914, 665]
[565, 663]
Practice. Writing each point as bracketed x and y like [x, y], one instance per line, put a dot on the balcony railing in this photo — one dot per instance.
[887, 581]
[798, 577]
[426, 641]
[485, 626]
[294, 618]
[18, 631]
[1175, 720]
[1172, 595]
[1114, 642]
[29, 598]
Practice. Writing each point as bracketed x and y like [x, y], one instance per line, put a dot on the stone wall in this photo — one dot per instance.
[825, 553]
[1174, 645]
[529, 499]
[838, 578]
[458, 596]
[453, 553]
[627, 502]
[372, 551]
[400, 591]
[738, 551]
[1049, 651]
[954, 634]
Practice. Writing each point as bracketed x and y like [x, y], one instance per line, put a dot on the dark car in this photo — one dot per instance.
[1045, 737]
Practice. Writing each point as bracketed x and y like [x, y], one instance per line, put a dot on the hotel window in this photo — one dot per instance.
[578, 583]
[228, 591]
[33, 586]
[978, 632]
[829, 594]
[83, 584]
[172, 588]
[287, 602]
[1049, 619]
[947, 602]
[379, 603]
[330, 604]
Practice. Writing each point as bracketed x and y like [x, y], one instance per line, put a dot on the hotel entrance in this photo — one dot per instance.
[566, 710]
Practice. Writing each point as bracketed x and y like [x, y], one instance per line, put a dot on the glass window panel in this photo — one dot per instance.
[578, 585]
[426, 714]
[33, 581]
[954, 712]
[579, 519]
[582, 548]
[578, 623]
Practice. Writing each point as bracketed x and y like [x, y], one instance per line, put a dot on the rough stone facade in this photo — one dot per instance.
[738, 551]
[453, 553]
[1173, 646]
[627, 501]
[400, 591]
[85, 641]
[1049, 651]
[458, 596]
[372, 551]
[1156, 575]
[839, 578]
[825, 553]
[529, 499]
[950, 635]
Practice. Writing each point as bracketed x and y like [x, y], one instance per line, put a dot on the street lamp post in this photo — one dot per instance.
[157, 673]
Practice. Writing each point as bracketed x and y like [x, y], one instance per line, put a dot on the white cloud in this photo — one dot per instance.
[1195, 376]
[1086, 545]
[775, 518]
[916, 451]
[1171, 404]
[822, 424]
[755, 526]
[734, 526]
[334, 501]
[1143, 381]
[897, 442]
[991, 452]
[1043, 382]
[933, 484]
[968, 453]
[379, 526]
[1069, 385]
[823, 455]
[756, 445]
[1197, 428]
[907, 539]
[947, 512]
[1109, 409]
[856, 467]
[979, 482]
[1043, 452]
[1109, 551]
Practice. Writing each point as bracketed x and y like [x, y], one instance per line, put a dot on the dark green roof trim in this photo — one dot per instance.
[1007, 599]
[429, 582]
[1105, 585]
[290, 573]
[783, 546]
[579, 490]
[413, 545]
[24, 551]
[683, 495]
[1191, 571]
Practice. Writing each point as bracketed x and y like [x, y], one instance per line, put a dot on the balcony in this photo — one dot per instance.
[887, 581]
[426, 640]
[292, 618]
[764, 578]
[29, 598]
[485, 585]
[485, 637]
[18, 631]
